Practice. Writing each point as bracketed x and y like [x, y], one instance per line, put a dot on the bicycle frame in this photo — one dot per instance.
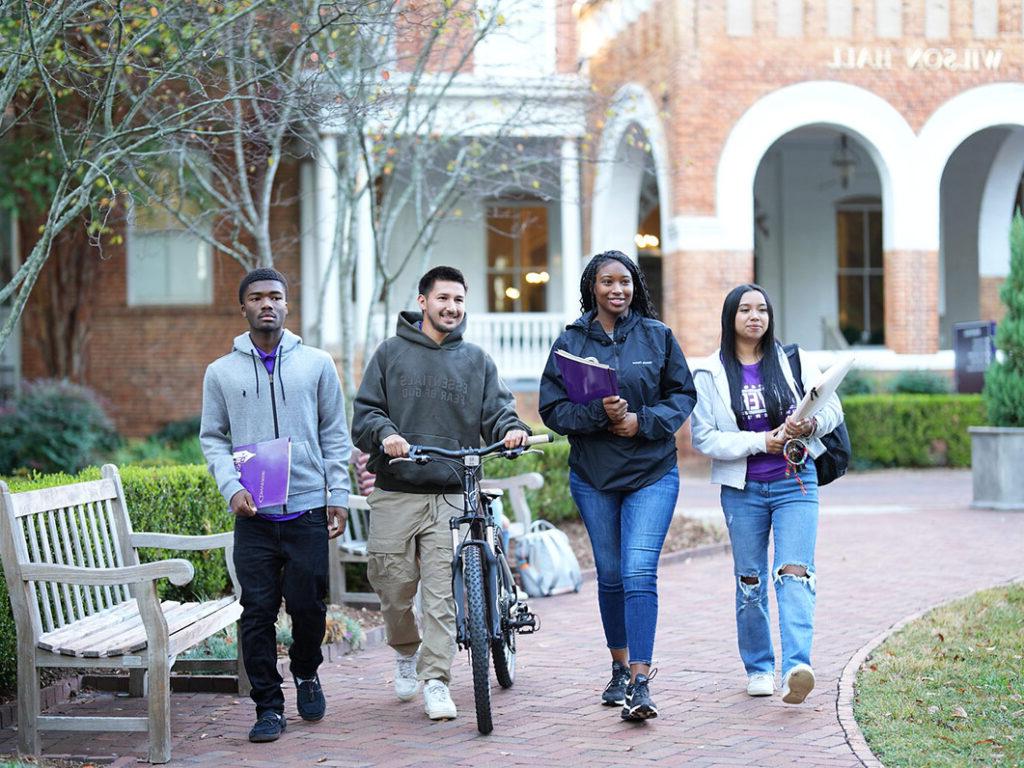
[478, 516]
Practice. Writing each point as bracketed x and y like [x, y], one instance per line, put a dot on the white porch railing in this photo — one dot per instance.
[519, 342]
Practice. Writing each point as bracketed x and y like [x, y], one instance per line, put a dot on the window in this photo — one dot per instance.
[166, 263]
[517, 257]
[860, 273]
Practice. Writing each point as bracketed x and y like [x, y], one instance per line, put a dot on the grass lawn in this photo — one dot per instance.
[948, 690]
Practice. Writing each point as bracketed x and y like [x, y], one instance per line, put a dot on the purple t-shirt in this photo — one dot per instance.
[761, 467]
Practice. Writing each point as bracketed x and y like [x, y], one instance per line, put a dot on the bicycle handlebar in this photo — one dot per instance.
[425, 451]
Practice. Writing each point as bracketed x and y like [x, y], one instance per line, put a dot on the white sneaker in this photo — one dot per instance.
[437, 701]
[406, 683]
[761, 684]
[797, 683]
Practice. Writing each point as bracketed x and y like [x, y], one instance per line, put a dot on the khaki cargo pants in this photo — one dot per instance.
[410, 545]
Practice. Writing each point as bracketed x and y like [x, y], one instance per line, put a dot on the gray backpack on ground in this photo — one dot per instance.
[546, 562]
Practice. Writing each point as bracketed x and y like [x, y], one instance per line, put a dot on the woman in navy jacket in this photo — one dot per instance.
[622, 462]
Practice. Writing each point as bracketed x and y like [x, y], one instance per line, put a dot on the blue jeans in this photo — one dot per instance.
[626, 533]
[782, 508]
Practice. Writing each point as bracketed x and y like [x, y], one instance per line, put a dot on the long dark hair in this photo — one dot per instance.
[641, 302]
[778, 398]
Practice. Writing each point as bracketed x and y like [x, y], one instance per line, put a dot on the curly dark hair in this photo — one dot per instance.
[263, 273]
[641, 303]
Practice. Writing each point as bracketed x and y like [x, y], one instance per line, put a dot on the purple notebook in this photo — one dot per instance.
[586, 379]
[264, 469]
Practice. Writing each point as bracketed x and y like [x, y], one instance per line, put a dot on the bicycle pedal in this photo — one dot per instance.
[526, 623]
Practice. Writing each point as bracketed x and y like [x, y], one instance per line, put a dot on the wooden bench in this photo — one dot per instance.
[82, 599]
[352, 543]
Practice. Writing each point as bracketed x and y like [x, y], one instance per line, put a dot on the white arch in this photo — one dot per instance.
[886, 137]
[958, 119]
[617, 186]
[997, 204]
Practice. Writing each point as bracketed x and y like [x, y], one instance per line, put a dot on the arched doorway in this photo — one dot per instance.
[818, 238]
[980, 189]
[631, 191]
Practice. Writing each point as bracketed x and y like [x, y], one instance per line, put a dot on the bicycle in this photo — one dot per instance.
[488, 613]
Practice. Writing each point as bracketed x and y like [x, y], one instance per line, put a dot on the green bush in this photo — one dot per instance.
[551, 502]
[156, 453]
[177, 432]
[920, 383]
[856, 382]
[1004, 381]
[54, 426]
[912, 430]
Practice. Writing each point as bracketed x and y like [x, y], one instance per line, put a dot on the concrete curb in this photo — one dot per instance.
[848, 679]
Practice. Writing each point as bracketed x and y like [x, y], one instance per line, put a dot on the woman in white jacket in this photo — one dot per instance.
[745, 395]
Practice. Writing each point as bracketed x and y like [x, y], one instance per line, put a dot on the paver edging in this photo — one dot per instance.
[848, 679]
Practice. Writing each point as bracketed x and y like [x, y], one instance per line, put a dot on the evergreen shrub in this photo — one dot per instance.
[54, 426]
[1004, 381]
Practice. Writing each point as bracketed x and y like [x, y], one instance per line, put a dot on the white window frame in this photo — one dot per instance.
[203, 248]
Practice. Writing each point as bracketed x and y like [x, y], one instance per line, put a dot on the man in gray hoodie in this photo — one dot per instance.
[280, 551]
[425, 386]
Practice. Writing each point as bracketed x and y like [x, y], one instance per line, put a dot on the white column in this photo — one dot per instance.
[572, 235]
[366, 265]
[309, 258]
[329, 288]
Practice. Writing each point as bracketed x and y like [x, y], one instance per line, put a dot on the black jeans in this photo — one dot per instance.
[275, 560]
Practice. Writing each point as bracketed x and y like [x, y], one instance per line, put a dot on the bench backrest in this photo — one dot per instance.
[358, 527]
[86, 525]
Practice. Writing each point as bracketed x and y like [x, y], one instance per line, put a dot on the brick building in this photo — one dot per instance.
[860, 159]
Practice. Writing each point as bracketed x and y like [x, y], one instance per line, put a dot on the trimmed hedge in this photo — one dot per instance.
[912, 430]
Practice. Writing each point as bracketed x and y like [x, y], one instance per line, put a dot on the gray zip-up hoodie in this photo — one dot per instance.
[447, 395]
[302, 400]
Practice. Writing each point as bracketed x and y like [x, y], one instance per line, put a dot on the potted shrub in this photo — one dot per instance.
[997, 451]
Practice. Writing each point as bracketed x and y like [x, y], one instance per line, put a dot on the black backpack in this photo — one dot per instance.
[836, 458]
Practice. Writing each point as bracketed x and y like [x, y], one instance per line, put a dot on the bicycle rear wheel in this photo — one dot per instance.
[504, 649]
[479, 636]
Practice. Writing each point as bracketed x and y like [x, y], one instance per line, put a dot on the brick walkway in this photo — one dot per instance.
[889, 544]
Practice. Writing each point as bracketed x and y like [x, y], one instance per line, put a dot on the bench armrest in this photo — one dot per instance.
[182, 543]
[178, 572]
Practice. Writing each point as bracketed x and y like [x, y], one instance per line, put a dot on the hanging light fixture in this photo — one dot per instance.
[844, 161]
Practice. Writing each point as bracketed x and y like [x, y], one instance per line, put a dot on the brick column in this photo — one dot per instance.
[695, 285]
[990, 306]
[911, 301]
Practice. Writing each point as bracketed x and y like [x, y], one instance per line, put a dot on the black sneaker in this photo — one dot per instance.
[309, 697]
[639, 705]
[269, 727]
[615, 692]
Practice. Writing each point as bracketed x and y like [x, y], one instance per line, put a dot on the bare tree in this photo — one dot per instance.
[404, 158]
[113, 79]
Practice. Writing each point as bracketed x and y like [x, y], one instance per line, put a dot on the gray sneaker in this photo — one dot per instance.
[406, 682]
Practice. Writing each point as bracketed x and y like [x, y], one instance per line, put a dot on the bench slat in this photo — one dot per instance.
[87, 626]
[127, 634]
[45, 499]
[224, 616]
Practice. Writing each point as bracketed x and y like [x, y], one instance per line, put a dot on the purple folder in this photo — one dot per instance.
[585, 380]
[264, 469]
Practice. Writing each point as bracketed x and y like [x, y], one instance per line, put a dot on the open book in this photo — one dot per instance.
[586, 379]
[264, 469]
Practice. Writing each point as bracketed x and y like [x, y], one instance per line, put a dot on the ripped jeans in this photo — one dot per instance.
[779, 507]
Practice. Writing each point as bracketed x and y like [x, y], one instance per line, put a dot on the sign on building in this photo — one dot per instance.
[974, 345]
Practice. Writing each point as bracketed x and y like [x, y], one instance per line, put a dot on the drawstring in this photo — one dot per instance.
[255, 373]
[278, 368]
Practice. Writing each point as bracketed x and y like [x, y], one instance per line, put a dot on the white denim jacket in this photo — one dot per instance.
[715, 432]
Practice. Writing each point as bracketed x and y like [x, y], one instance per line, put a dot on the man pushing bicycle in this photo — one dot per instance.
[425, 385]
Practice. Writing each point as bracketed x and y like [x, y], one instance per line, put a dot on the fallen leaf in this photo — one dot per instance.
[932, 709]
[959, 712]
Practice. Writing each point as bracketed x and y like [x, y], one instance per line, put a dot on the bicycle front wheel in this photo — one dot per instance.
[479, 636]
[504, 649]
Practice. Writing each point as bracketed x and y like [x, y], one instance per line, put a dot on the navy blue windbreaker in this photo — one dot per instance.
[653, 378]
